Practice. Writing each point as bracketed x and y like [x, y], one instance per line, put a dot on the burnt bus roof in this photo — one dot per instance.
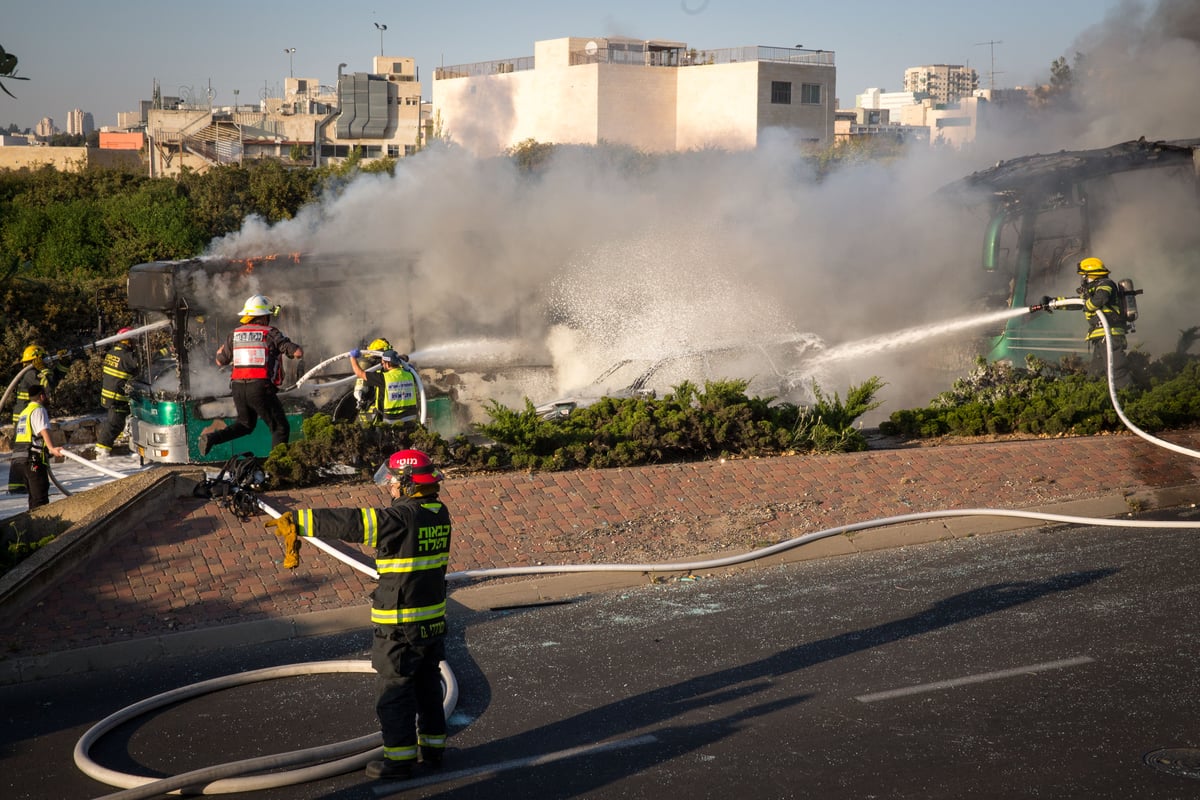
[1034, 176]
[170, 286]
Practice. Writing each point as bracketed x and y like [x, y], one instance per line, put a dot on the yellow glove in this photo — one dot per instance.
[285, 529]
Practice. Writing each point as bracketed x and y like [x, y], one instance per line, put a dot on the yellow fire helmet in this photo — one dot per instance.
[380, 345]
[1092, 268]
[33, 354]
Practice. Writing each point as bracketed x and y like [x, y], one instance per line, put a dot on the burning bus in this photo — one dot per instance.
[182, 392]
[1046, 212]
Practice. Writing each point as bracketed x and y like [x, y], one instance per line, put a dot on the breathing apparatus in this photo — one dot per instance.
[235, 486]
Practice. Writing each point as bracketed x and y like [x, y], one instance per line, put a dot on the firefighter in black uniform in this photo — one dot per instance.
[1101, 295]
[120, 366]
[411, 538]
[255, 349]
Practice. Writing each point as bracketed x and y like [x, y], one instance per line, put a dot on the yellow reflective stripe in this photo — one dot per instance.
[113, 395]
[304, 522]
[431, 741]
[370, 523]
[400, 753]
[398, 616]
[411, 564]
[116, 373]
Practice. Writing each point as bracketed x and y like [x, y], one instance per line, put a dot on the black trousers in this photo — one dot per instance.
[254, 399]
[408, 695]
[34, 476]
[1098, 368]
[112, 425]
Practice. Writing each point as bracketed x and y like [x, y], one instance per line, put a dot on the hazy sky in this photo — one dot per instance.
[105, 57]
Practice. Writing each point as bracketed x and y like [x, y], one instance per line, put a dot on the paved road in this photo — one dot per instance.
[1042, 663]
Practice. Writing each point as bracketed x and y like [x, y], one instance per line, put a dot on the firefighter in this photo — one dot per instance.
[392, 389]
[1101, 295]
[40, 372]
[120, 366]
[256, 349]
[32, 448]
[411, 538]
[35, 372]
[364, 400]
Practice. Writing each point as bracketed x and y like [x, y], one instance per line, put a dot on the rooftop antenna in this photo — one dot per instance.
[991, 75]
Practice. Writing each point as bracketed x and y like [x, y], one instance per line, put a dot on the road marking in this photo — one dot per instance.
[983, 677]
[488, 770]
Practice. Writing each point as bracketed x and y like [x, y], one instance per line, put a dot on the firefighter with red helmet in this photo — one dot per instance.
[411, 537]
[121, 365]
[255, 349]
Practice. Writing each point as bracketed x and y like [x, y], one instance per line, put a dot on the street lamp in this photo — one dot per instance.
[291, 51]
[381, 28]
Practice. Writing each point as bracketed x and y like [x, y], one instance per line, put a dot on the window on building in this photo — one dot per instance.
[781, 92]
[810, 93]
[393, 151]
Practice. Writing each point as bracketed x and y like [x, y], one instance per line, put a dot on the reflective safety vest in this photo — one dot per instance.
[411, 538]
[252, 359]
[1110, 307]
[35, 445]
[119, 364]
[399, 395]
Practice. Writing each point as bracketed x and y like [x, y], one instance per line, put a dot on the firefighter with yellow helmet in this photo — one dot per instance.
[364, 400]
[1102, 295]
[392, 389]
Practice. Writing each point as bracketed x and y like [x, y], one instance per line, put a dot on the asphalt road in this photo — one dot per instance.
[1049, 663]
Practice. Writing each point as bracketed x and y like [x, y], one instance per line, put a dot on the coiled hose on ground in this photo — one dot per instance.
[341, 757]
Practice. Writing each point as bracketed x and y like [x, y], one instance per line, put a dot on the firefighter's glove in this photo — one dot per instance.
[404, 357]
[355, 353]
[1046, 301]
[285, 529]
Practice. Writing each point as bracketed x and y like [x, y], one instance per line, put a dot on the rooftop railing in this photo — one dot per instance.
[647, 55]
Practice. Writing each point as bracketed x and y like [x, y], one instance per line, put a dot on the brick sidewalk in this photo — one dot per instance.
[193, 565]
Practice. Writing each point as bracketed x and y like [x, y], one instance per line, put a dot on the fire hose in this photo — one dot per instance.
[222, 775]
[409, 368]
[153, 326]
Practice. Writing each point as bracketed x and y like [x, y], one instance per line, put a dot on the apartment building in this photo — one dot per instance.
[942, 83]
[658, 96]
[80, 122]
[377, 113]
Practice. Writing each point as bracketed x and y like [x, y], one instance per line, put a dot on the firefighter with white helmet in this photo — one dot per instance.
[121, 364]
[411, 537]
[256, 350]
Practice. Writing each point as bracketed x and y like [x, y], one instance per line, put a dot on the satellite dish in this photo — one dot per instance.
[590, 48]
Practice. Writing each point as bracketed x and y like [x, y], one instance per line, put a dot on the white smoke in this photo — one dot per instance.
[600, 257]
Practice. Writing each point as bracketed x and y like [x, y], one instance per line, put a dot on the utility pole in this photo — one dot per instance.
[992, 74]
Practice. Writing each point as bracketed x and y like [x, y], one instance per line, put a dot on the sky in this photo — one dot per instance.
[105, 57]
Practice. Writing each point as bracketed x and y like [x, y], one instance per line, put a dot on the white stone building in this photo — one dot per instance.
[657, 96]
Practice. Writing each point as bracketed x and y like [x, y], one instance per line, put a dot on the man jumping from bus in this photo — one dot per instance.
[255, 349]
